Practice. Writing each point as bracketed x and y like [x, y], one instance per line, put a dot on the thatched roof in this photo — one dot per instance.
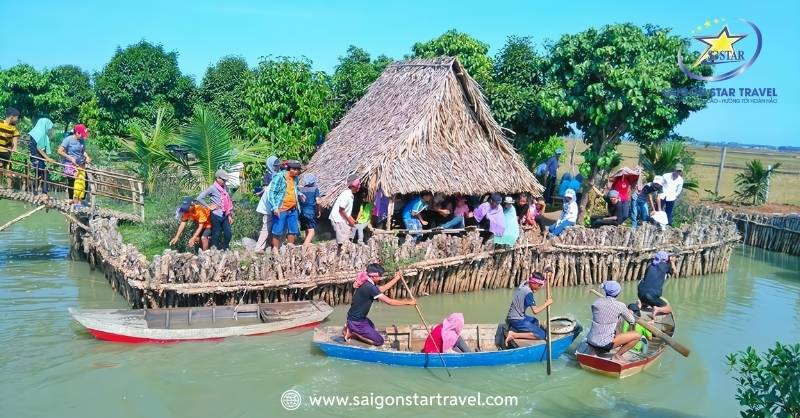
[423, 125]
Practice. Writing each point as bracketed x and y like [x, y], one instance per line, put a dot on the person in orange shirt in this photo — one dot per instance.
[190, 210]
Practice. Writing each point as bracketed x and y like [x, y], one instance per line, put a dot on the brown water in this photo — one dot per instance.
[49, 366]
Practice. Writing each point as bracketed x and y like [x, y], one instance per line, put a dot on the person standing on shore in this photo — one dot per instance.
[673, 186]
[552, 173]
[340, 216]
[309, 208]
[8, 143]
[73, 149]
[283, 199]
[221, 207]
[272, 168]
[39, 147]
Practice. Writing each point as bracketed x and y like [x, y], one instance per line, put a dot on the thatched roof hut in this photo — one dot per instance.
[423, 125]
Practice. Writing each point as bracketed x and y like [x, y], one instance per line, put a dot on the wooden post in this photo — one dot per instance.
[89, 181]
[721, 167]
[390, 212]
[139, 187]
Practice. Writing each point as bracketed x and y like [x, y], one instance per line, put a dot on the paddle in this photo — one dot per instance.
[657, 332]
[427, 328]
[548, 274]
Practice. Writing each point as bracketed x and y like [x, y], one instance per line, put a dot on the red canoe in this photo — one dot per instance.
[633, 362]
[170, 325]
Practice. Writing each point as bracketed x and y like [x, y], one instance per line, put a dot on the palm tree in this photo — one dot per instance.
[209, 144]
[657, 159]
[753, 183]
[148, 147]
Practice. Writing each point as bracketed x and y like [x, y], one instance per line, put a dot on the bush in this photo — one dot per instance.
[769, 384]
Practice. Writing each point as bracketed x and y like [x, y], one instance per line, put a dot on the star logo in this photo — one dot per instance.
[719, 48]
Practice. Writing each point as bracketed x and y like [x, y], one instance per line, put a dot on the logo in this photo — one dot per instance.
[723, 47]
[291, 400]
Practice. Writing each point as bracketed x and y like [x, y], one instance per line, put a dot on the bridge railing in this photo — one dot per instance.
[110, 189]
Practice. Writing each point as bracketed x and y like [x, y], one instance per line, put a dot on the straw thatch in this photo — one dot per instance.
[423, 125]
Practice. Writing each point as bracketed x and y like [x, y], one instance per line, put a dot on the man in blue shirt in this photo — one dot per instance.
[552, 172]
[412, 212]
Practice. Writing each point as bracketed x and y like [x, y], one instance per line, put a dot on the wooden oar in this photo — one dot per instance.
[427, 328]
[657, 332]
[548, 274]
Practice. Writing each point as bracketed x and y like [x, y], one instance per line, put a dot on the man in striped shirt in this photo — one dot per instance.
[606, 312]
[8, 142]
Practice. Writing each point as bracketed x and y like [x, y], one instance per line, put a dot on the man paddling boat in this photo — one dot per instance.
[358, 325]
[606, 313]
[522, 326]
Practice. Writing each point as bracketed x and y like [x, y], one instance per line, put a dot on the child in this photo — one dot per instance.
[641, 346]
[362, 222]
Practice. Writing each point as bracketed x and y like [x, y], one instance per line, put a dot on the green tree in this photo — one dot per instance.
[525, 102]
[355, 72]
[147, 144]
[19, 87]
[209, 140]
[138, 81]
[769, 384]
[290, 106]
[617, 81]
[223, 90]
[472, 53]
[67, 88]
[752, 184]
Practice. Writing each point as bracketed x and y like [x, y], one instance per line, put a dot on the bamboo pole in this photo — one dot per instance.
[21, 217]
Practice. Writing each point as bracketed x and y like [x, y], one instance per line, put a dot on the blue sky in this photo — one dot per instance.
[87, 33]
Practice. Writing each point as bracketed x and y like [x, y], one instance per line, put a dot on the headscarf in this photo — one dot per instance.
[661, 257]
[363, 276]
[536, 278]
[309, 179]
[451, 329]
[272, 164]
[612, 288]
[80, 131]
[39, 134]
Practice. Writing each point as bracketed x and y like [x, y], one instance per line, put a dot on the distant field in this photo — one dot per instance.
[785, 186]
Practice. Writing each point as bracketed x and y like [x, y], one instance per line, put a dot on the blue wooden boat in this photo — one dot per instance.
[403, 345]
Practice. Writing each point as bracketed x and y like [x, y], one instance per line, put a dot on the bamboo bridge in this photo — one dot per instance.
[108, 194]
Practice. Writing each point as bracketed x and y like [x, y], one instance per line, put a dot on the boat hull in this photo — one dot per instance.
[529, 354]
[133, 327]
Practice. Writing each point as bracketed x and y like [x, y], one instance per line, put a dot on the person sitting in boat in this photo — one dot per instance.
[646, 335]
[606, 313]
[652, 285]
[522, 326]
[446, 337]
[366, 292]
[191, 210]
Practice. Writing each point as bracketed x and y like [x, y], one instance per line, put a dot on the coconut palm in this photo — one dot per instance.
[148, 145]
[208, 144]
[660, 158]
[752, 184]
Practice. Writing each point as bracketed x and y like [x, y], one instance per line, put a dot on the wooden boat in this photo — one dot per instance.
[403, 346]
[632, 362]
[200, 323]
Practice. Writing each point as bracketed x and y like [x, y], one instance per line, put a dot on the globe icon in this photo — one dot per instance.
[291, 400]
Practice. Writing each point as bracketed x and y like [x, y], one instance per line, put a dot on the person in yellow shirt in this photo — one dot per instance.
[190, 210]
[8, 143]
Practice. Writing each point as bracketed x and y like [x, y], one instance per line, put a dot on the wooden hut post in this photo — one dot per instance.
[390, 212]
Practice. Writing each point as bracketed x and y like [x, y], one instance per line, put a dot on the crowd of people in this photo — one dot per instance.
[605, 334]
[72, 152]
[288, 206]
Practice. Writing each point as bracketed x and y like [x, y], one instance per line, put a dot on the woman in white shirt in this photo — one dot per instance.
[569, 214]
